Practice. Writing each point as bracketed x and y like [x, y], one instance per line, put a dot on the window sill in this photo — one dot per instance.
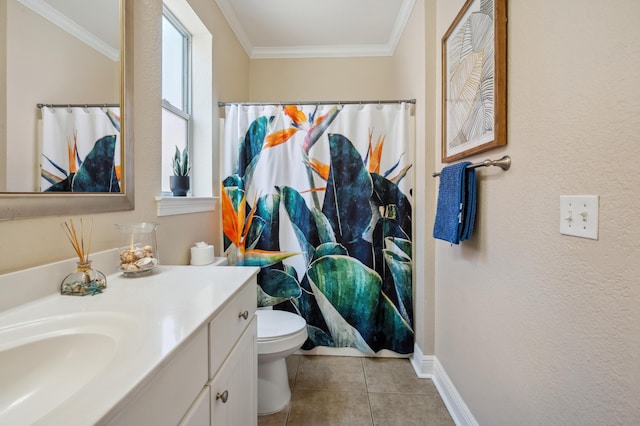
[169, 206]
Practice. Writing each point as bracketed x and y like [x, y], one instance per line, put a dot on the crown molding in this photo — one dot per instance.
[327, 51]
[72, 27]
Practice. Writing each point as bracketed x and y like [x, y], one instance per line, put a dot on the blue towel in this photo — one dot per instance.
[449, 213]
[469, 204]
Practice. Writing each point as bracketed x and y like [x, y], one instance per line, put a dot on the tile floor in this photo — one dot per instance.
[331, 390]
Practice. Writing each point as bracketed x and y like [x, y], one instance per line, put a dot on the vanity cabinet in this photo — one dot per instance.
[211, 379]
[234, 388]
[233, 361]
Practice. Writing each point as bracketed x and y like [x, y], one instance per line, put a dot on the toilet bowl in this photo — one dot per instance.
[280, 334]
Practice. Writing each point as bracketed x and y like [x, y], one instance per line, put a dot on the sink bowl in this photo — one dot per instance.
[45, 362]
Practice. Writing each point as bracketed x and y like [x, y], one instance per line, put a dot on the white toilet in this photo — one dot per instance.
[280, 334]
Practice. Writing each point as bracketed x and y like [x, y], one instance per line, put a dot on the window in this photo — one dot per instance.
[176, 92]
[187, 113]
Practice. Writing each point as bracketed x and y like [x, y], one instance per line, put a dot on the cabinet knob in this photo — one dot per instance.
[223, 396]
[244, 315]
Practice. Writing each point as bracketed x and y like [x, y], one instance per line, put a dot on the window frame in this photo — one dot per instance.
[185, 111]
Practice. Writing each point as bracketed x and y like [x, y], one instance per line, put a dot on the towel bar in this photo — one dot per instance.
[504, 163]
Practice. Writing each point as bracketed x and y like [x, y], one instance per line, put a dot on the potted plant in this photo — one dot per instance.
[179, 182]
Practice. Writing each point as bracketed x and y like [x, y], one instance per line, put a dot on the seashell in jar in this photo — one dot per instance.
[146, 263]
[139, 254]
[130, 267]
[127, 257]
[148, 250]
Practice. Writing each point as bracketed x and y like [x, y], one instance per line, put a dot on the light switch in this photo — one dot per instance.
[579, 215]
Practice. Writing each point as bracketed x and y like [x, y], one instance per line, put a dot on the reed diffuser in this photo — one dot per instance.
[84, 280]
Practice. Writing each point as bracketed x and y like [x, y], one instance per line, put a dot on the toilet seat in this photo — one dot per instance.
[274, 324]
[280, 332]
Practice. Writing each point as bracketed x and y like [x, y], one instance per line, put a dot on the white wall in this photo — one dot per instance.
[531, 326]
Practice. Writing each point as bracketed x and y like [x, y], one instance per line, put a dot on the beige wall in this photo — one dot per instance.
[324, 79]
[410, 64]
[3, 95]
[37, 241]
[534, 327]
[531, 326]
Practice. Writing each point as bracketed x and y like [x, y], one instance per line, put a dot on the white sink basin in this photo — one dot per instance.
[45, 362]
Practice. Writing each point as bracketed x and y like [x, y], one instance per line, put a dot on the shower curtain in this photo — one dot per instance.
[319, 197]
[80, 149]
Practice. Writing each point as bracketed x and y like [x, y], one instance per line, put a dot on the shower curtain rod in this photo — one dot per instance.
[399, 101]
[40, 106]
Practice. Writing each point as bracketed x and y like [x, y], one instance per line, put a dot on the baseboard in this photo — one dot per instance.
[422, 364]
[428, 366]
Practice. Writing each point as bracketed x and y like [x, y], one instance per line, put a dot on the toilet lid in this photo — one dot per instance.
[274, 324]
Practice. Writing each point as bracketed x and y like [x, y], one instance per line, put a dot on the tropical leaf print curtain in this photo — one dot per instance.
[80, 149]
[319, 197]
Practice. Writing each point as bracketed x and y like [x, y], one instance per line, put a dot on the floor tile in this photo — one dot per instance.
[277, 419]
[332, 390]
[395, 375]
[399, 409]
[329, 408]
[292, 368]
[333, 373]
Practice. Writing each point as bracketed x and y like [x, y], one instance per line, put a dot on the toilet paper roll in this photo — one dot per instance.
[202, 254]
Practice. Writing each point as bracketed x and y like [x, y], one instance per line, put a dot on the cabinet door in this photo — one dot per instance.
[198, 414]
[234, 390]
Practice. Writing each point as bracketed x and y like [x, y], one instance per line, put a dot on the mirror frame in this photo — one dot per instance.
[30, 205]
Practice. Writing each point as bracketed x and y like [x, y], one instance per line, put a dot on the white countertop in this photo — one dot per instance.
[160, 310]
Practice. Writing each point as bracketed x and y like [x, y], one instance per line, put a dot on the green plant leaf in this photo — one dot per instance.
[181, 165]
[325, 232]
[401, 270]
[318, 337]
[264, 258]
[276, 287]
[251, 146]
[394, 332]
[351, 288]
[328, 249]
[302, 221]
[387, 194]
[349, 188]
[342, 333]
[255, 232]
[400, 246]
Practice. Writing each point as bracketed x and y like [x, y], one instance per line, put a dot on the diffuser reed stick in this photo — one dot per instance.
[78, 244]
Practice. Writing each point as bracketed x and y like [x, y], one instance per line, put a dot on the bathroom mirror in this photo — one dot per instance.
[111, 84]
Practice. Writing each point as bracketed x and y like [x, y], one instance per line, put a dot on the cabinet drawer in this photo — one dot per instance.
[228, 325]
[166, 398]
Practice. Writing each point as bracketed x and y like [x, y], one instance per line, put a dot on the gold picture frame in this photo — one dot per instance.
[474, 80]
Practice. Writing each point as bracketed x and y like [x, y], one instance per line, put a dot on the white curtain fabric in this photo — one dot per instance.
[66, 127]
[284, 164]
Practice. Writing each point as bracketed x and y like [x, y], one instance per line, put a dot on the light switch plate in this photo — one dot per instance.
[579, 215]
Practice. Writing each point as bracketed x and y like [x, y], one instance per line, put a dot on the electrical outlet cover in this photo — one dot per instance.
[579, 215]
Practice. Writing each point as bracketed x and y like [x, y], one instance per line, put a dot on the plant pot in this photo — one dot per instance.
[179, 185]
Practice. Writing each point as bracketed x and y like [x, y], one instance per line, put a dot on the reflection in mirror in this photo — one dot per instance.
[79, 58]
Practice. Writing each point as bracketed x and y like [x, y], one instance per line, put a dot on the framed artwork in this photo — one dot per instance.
[474, 80]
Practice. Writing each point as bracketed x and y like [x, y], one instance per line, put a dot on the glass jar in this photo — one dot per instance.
[85, 280]
[138, 248]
